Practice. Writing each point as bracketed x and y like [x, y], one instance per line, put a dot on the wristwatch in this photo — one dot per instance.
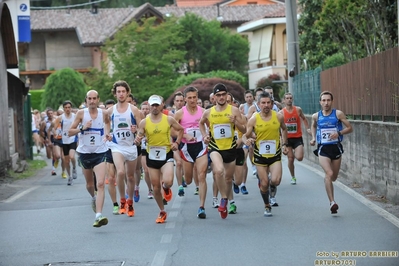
[81, 127]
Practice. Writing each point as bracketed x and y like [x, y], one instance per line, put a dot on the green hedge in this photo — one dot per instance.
[36, 98]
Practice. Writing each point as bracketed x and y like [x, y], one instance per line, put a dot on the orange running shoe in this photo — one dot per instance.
[161, 217]
[130, 209]
[167, 193]
[122, 209]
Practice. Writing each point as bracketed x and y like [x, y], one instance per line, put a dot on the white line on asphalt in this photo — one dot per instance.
[159, 258]
[166, 238]
[177, 202]
[20, 194]
[380, 211]
[173, 214]
[170, 225]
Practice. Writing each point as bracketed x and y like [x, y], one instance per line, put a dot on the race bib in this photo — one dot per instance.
[123, 135]
[267, 147]
[195, 132]
[157, 153]
[291, 128]
[325, 134]
[222, 131]
[92, 138]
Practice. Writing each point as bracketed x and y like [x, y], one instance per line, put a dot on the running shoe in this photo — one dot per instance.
[70, 181]
[183, 183]
[236, 189]
[201, 213]
[196, 191]
[150, 195]
[64, 175]
[53, 173]
[130, 209]
[93, 205]
[293, 181]
[56, 163]
[167, 193]
[254, 171]
[209, 169]
[122, 209]
[273, 202]
[115, 210]
[161, 217]
[232, 209]
[181, 191]
[74, 174]
[136, 195]
[333, 207]
[223, 208]
[215, 203]
[244, 190]
[100, 221]
[268, 211]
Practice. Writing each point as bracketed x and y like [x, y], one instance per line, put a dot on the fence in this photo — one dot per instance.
[306, 90]
[367, 89]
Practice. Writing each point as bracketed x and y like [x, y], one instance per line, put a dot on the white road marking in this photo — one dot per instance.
[166, 238]
[380, 211]
[159, 258]
[20, 194]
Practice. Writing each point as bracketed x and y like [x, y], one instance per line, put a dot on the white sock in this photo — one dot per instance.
[98, 214]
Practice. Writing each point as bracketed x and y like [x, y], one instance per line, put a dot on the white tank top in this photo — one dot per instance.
[92, 139]
[121, 123]
[65, 126]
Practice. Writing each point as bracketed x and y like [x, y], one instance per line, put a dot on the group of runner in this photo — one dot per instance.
[119, 142]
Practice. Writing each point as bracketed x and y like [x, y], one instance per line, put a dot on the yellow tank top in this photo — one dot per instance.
[267, 142]
[221, 130]
[158, 134]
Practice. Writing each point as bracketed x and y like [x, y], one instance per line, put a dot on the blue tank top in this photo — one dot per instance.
[327, 125]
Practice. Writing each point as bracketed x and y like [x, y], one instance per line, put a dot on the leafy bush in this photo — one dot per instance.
[334, 60]
[222, 74]
[36, 98]
[62, 85]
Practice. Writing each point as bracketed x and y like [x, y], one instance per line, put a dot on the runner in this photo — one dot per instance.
[156, 127]
[94, 127]
[267, 150]
[193, 150]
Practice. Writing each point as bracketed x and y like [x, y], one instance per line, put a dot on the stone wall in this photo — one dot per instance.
[371, 157]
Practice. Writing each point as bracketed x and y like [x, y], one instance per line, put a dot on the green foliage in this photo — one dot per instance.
[147, 56]
[101, 82]
[268, 81]
[356, 28]
[228, 75]
[62, 85]
[36, 99]
[210, 47]
[334, 60]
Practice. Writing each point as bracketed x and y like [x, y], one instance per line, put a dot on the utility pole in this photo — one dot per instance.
[293, 64]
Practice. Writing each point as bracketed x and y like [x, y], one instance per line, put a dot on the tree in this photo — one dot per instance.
[268, 81]
[62, 85]
[147, 56]
[210, 47]
[356, 28]
[100, 81]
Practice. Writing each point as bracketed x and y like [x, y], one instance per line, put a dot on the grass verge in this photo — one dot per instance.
[31, 170]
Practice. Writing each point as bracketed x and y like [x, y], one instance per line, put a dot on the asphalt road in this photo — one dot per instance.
[46, 222]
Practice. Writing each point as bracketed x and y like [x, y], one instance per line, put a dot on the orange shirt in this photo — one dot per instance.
[293, 123]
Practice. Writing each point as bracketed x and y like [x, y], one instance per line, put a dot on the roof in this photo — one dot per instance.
[94, 29]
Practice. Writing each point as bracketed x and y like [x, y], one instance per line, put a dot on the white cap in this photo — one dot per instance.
[155, 99]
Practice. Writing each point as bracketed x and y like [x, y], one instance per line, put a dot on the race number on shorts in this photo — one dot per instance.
[157, 153]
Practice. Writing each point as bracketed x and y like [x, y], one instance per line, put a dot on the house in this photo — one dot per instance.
[13, 138]
[73, 38]
[192, 3]
[268, 51]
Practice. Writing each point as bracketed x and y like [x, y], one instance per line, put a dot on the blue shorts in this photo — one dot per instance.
[90, 160]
